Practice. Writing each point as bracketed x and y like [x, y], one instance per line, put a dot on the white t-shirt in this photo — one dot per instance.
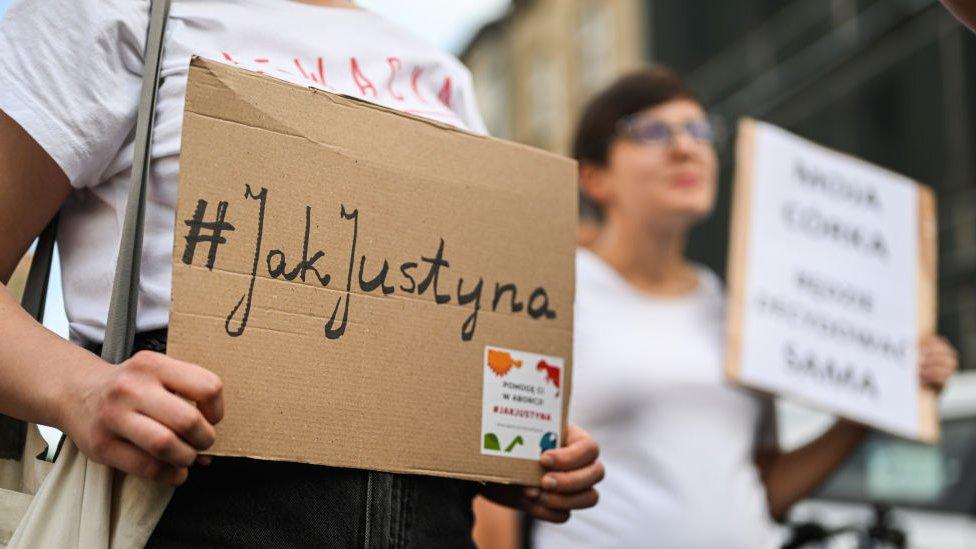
[70, 74]
[677, 440]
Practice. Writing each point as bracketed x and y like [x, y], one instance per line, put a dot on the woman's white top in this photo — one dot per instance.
[677, 440]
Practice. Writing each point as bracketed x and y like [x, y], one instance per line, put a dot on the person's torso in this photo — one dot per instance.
[676, 439]
[346, 51]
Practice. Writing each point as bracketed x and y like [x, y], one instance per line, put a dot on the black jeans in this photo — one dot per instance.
[236, 502]
[239, 502]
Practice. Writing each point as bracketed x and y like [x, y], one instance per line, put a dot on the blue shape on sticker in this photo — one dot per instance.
[548, 441]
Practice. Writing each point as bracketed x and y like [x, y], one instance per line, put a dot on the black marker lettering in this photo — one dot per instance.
[303, 266]
[542, 309]
[406, 268]
[197, 224]
[501, 290]
[378, 280]
[263, 198]
[467, 329]
[331, 332]
[432, 275]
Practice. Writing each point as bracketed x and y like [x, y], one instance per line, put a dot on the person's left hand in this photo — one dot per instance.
[568, 484]
[938, 360]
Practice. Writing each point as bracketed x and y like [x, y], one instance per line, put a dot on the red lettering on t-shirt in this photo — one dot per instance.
[394, 63]
[417, 71]
[445, 94]
[320, 64]
[230, 58]
[362, 82]
[301, 69]
[317, 77]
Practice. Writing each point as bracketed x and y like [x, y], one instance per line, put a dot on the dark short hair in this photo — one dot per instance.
[632, 93]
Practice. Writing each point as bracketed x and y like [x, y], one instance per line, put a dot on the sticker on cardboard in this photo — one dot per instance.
[521, 403]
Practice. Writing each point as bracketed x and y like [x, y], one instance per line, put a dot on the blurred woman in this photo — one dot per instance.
[693, 460]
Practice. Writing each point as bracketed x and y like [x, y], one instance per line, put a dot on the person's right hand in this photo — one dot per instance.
[135, 416]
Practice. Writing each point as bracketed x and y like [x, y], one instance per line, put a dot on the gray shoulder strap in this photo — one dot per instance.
[35, 291]
[120, 327]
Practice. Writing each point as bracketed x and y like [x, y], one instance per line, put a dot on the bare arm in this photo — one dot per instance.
[964, 10]
[571, 473]
[792, 476]
[495, 527]
[32, 189]
[132, 416]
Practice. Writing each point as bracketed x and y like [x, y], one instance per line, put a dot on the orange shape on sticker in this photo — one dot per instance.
[501, 362]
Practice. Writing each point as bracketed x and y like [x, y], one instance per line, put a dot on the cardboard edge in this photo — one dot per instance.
[534, 480]
[801, 400]
[739, 246]
[927, 312]
[215, 68]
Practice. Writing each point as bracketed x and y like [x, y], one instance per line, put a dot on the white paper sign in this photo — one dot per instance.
[825, 300]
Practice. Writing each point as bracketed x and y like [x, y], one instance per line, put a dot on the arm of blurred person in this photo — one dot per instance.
[964, 10]
[495, 527]
[572, 471]
[131, 417]
[792, 476]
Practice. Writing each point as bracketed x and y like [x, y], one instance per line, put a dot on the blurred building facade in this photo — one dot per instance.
[537, 65]
[890, 81]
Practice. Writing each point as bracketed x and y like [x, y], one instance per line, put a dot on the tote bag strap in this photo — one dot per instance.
[121, 322]
[13, 432]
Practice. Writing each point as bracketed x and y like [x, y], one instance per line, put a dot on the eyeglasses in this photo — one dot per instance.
[657, 132]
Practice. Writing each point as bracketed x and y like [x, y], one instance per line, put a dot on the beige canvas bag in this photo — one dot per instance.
[76, 502]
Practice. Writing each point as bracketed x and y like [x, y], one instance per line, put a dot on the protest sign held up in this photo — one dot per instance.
[376, 291]
[831, 281]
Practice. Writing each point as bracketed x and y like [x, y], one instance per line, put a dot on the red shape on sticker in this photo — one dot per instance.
[552, 373]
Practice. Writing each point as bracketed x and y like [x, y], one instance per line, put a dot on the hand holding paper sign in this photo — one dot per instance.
[790, 477]
[572, 472]
[939, 361]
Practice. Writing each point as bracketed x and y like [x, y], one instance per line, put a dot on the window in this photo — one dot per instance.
[597, 46]
[547, 97]
[492, 87]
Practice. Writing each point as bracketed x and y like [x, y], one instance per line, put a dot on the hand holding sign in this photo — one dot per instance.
[572, 473]
[938, 362]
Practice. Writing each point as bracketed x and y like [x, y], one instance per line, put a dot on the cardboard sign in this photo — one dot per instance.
[831, 281]
[376, 290]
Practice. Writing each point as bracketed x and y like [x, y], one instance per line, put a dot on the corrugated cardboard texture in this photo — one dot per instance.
[398, 385]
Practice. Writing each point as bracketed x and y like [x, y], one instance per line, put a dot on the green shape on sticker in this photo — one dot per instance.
[491, 442]
[517, 441]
